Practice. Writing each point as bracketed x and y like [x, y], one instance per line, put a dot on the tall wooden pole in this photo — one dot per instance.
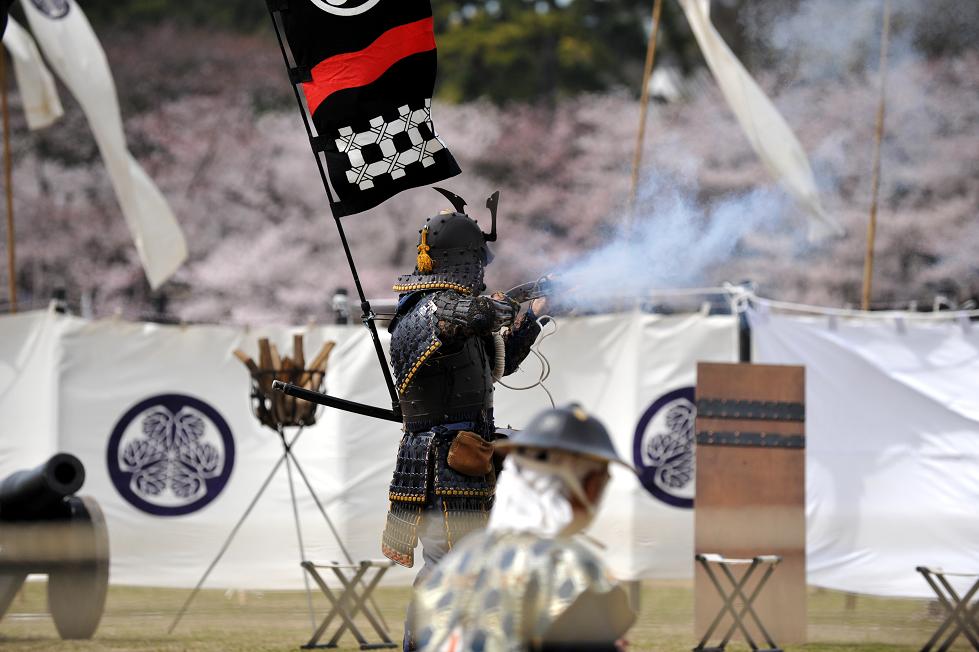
[644, 106]
[8, 184]
[868, 262]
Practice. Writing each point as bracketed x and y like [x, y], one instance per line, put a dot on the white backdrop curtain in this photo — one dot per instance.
[66, 384]
[893, 438]
[893, 445]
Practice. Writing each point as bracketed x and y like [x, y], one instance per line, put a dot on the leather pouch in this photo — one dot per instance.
[470, 454]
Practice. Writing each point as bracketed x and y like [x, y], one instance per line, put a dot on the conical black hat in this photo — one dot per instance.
[568, 429]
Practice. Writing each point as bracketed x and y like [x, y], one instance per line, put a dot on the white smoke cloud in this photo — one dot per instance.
[674, 242]
[679, 239]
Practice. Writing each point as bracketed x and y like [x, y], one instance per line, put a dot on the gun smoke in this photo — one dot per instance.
[673, 241]
[687, 233]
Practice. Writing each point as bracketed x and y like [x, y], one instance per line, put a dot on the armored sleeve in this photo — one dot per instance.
[519, 341]
[458, 315]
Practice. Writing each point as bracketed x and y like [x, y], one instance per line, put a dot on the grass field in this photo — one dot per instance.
[137, 619]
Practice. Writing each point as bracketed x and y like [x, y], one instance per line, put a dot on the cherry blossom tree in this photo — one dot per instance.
[212, 119]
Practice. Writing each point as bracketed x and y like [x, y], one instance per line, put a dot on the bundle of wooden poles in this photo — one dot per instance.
[275, 409]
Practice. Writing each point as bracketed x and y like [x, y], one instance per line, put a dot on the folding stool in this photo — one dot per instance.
[751, 490]
[349, 601]
[737, 592]
[964, 610]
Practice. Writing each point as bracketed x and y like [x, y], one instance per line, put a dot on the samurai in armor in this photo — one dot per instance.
[449, 344]
[524, 583]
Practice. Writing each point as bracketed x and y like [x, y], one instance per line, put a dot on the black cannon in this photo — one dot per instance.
[45, 528]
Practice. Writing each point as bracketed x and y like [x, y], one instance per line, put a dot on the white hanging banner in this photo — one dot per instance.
[767, 131]
[892, 445]
[42, 106]
[74, 52]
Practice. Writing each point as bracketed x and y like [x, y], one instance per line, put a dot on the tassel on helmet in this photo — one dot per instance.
[424, 262]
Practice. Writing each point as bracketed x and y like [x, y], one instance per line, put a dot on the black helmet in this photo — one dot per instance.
[452, 250]
[569, 429]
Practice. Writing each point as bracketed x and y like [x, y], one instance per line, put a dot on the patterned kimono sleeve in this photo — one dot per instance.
[586, 610]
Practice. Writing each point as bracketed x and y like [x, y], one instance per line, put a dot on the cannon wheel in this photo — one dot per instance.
[9, 585]
[76, 597]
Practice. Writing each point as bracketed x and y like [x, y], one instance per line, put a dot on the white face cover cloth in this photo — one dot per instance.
[534, 496]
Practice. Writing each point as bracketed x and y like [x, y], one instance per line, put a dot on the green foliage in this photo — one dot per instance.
[524, 50]
[499, 49]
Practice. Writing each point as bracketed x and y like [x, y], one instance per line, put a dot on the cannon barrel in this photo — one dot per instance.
[44, 528]
[39, 494]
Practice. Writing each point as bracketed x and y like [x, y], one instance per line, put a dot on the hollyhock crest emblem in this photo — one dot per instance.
[170, 455]
[663, 447]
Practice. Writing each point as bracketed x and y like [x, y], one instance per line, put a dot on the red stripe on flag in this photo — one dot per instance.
[354, 69]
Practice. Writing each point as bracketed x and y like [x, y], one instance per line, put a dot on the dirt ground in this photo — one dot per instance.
[138, 618]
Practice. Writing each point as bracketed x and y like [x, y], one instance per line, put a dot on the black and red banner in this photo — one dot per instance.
[367, 71]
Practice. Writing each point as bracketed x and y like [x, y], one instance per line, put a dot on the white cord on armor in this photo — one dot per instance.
[499, 350]
[545, 365]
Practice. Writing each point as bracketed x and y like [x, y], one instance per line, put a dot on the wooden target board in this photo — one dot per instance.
[751, 488]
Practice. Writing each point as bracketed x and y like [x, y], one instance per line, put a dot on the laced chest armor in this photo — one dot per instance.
[443, 363]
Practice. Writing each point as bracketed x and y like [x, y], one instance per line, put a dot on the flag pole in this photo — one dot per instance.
[8, 185]
[644, 106]
[868, 263]
[368, 315]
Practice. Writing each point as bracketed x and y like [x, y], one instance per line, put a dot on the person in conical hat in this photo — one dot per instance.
[526, 583]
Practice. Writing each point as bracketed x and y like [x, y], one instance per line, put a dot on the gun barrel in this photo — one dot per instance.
[532, 289]
[39, 494]
[334, 402]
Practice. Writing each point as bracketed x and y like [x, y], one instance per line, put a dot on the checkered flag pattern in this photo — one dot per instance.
[390, 148]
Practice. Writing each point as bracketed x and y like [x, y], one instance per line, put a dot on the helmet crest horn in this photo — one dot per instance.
[492, 204]
[458, 203]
